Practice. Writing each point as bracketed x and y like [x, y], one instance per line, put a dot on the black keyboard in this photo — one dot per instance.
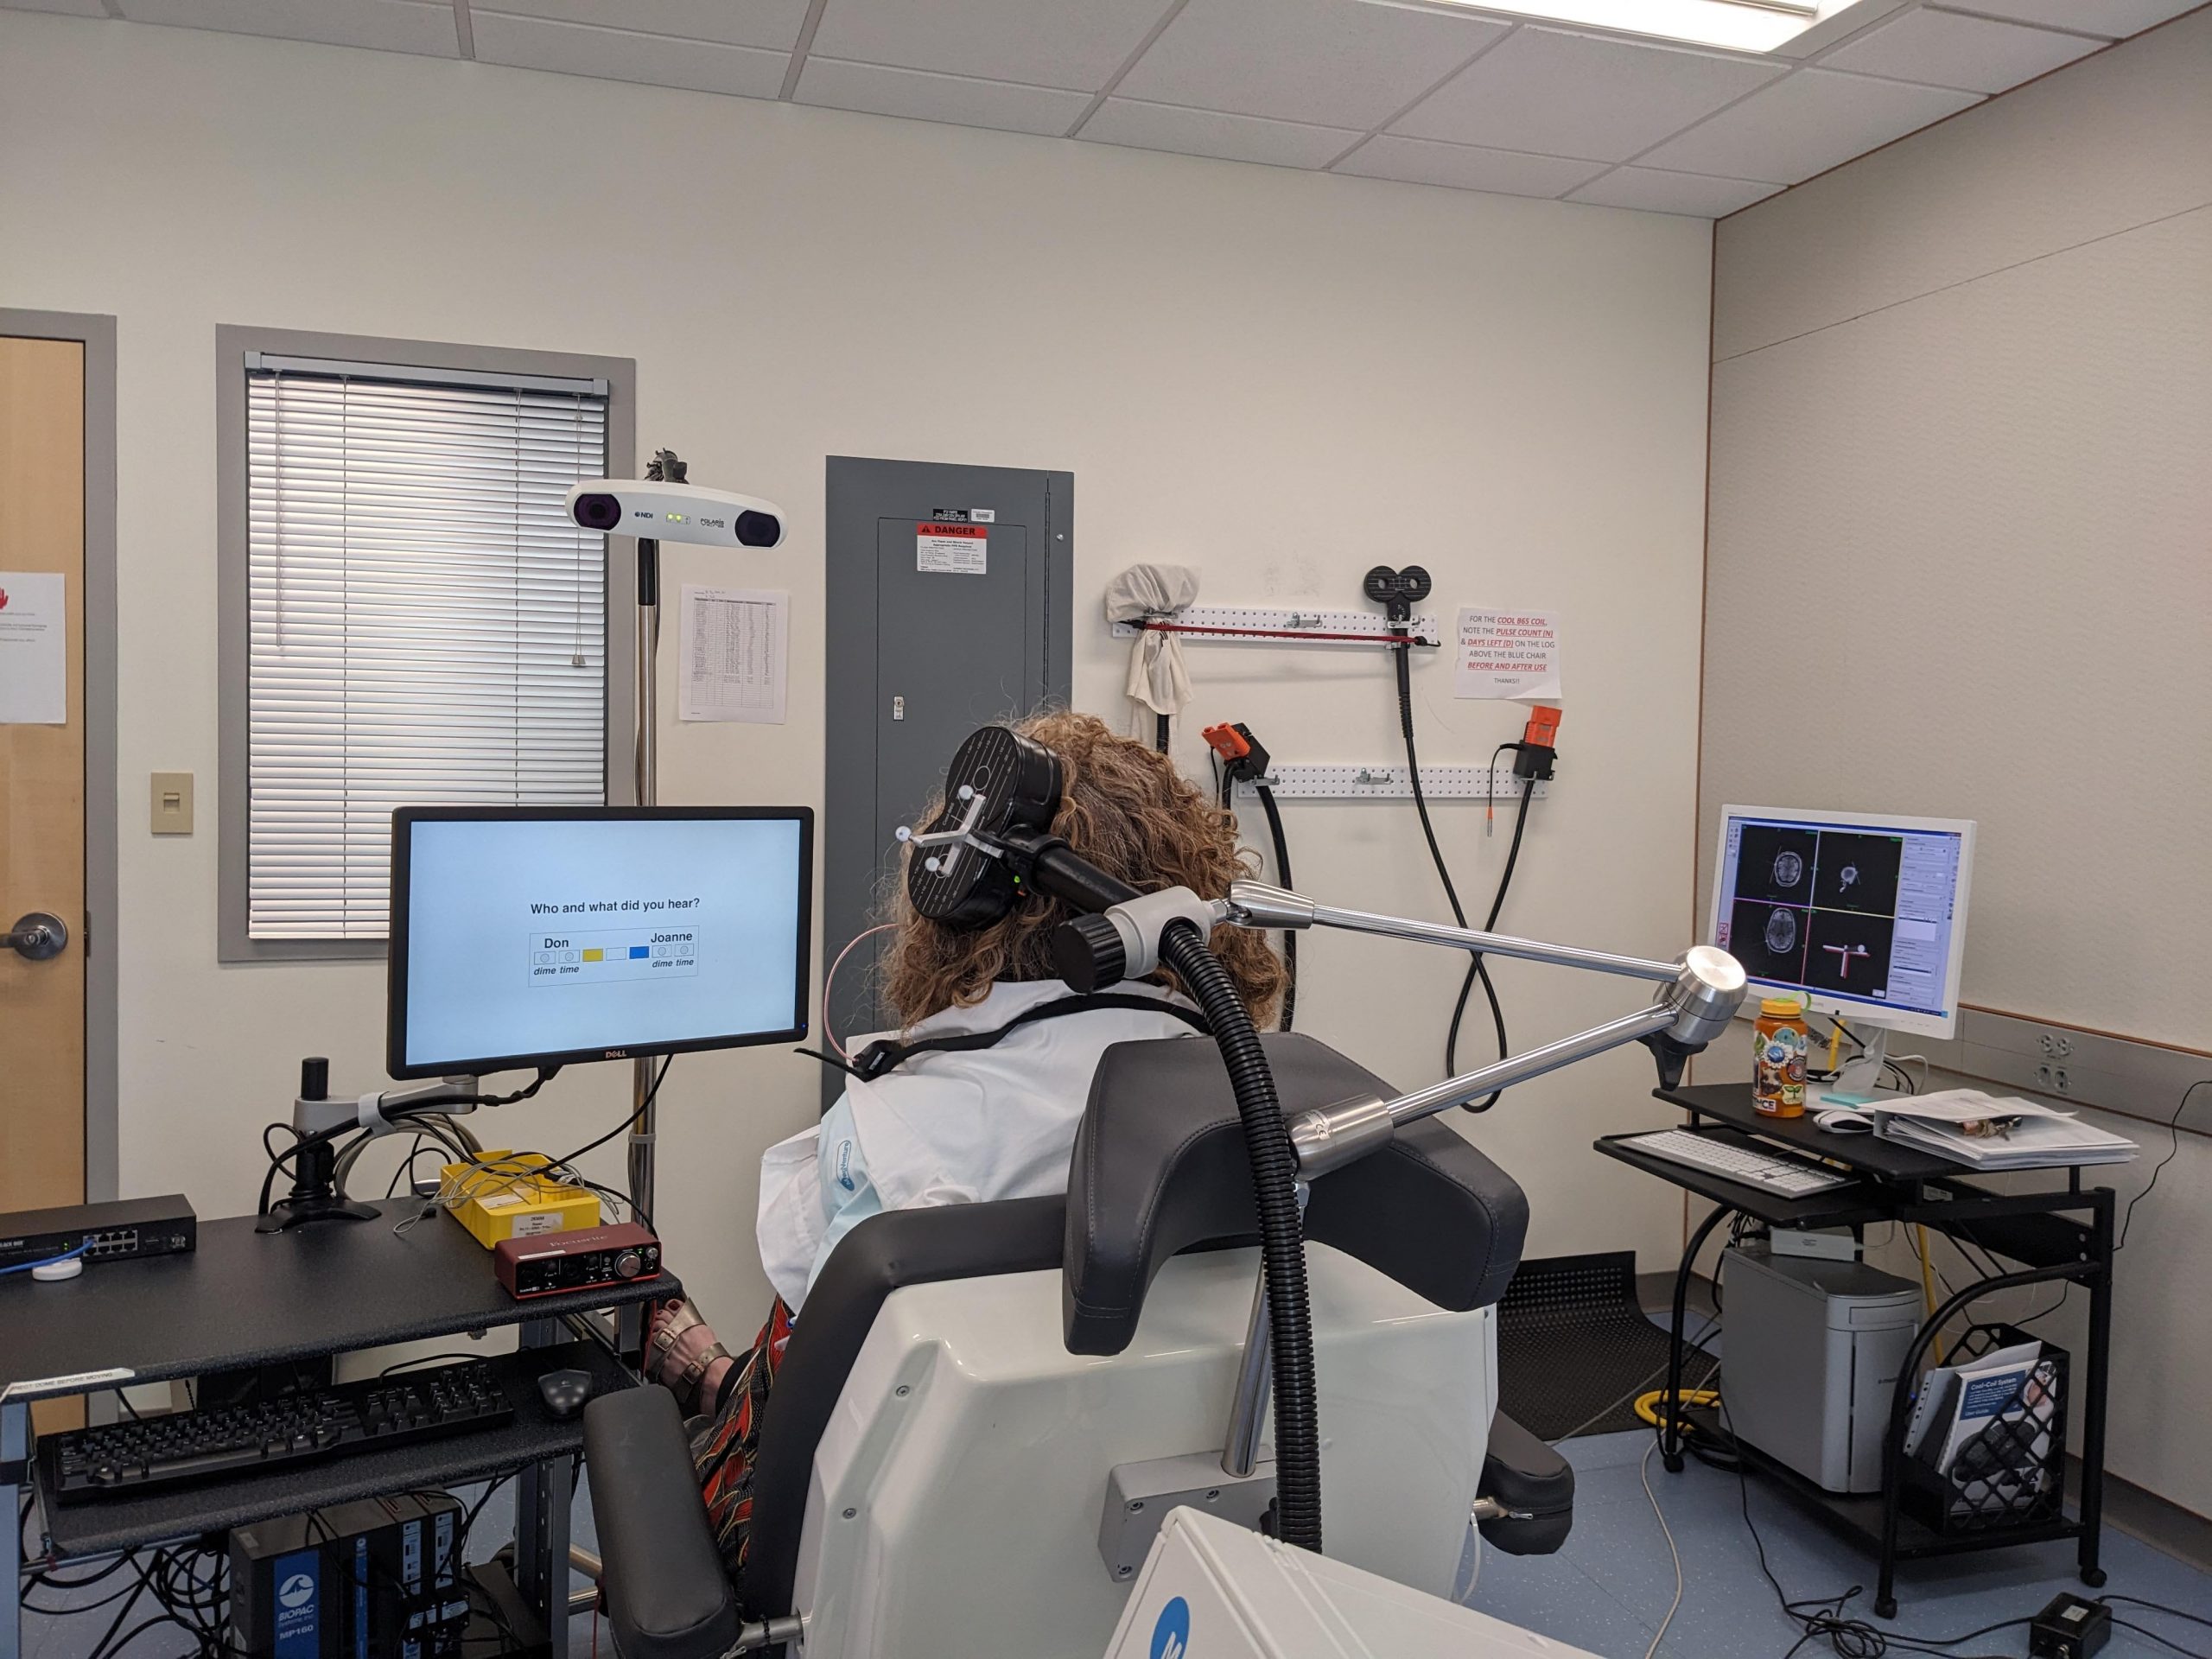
[128, 1459]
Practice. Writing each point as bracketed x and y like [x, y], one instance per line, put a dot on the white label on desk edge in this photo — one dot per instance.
[75, 1383]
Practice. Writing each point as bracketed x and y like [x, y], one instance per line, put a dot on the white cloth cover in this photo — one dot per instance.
[959, 1127]
[1157, 679]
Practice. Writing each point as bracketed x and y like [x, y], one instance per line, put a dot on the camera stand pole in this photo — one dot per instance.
[647, 692]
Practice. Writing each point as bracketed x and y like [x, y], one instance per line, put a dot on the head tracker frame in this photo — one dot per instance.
[992, 841]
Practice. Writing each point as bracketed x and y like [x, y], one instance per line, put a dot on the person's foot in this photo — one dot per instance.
[684, 1357]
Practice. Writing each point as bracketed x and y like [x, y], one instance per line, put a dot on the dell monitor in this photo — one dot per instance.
[1865, 916]
[541, 936]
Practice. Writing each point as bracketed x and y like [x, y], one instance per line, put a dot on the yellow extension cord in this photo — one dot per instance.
[1647, 1405]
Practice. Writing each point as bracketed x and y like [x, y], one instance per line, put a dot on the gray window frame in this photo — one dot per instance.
[233, 939]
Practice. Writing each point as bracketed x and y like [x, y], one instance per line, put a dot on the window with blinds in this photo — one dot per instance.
[427, 625]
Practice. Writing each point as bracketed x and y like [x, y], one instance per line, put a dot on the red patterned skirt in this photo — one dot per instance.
[723, 1451]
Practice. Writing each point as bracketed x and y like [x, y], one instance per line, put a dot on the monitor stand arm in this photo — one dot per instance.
[320, 1120]
[1860, 1078]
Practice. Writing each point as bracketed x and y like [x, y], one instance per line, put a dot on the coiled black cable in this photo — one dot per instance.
[1282, 1243]
[1477, 969]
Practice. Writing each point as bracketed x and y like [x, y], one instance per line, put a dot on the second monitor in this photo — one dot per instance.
[1865, 914]
[534, 937]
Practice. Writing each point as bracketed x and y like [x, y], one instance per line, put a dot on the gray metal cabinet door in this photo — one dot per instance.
[948, 608]
[953, 652]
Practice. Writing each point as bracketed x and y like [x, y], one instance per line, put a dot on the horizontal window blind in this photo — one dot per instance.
[427, 625]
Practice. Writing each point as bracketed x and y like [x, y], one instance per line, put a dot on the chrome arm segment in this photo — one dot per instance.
[1329, 1139]
[1259, 904]
[1695, 1007]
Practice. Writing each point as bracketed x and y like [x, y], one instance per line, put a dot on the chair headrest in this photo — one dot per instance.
[1159, 1167]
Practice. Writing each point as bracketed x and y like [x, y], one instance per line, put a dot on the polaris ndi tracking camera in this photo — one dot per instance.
[675, 513]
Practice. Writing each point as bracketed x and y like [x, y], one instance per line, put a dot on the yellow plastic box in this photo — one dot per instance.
[508, 1201]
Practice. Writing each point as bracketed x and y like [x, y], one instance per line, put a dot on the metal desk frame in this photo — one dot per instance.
[2062, 1233]
[436, 1282]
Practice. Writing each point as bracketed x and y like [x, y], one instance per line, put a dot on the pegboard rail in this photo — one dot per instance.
[1250, 625]
[1350, 782]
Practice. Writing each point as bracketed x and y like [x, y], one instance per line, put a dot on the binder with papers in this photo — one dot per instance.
[1984, 1132]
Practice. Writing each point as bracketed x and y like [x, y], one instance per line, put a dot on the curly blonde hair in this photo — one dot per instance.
[1126, 808]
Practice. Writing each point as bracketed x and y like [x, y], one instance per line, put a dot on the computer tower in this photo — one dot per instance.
[378, 1579]
[1812, 1352]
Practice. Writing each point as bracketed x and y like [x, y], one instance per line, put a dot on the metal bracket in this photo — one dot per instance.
[1140, 1495]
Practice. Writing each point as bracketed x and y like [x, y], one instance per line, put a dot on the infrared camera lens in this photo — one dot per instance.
[598, 510]
[759, 530]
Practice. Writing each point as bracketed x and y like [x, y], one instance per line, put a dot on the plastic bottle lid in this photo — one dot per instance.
[1782, 1007]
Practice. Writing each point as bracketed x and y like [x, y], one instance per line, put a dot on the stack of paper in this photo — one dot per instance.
[1984, 1132]
[1985, 1426]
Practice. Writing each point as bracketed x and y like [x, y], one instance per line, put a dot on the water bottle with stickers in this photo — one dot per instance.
[1780, 1039]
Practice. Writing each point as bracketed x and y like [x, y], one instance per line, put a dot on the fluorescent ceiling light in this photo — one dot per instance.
[1740, 25]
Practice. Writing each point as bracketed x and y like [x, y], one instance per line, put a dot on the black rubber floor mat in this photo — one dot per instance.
[1573, 1347]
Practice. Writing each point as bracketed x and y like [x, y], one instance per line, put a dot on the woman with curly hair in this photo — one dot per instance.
[966, 1127]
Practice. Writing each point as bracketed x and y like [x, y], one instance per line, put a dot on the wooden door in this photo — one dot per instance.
[43, 784]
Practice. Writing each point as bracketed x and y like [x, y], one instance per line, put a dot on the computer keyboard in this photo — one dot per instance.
[129, 1459]
[1779, 1173]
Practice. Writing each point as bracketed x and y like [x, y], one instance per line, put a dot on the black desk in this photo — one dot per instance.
[2056, 1232]
[246, 1298]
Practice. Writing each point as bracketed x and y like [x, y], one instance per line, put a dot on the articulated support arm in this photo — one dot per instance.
[1700, 992]
[1703, 988]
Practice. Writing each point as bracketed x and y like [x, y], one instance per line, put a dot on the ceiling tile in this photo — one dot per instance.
[774, 24]
[920, 96]
[1418, 161]
[1805, 123]
[2111, 18]
[70, 7]
[1336, 63]
[1562, 94]
[1077, 43]
[621, 54]
[1944, 49]
[1204, 132]
[385, 25]
[1658, 192]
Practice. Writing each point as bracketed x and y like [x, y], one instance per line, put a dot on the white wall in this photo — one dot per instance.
[1962, 401]
[1279, 377]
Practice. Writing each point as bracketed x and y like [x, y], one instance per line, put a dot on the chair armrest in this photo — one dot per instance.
[1529, 1489]
[667, 1595]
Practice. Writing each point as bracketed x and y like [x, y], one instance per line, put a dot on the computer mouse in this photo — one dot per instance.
[564, 1392]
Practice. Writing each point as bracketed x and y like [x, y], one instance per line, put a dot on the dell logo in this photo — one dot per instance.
[617, 1054]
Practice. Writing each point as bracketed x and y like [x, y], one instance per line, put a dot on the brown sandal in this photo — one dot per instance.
[675, 1319]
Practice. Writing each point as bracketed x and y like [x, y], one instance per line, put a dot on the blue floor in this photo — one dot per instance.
[1608, 1589]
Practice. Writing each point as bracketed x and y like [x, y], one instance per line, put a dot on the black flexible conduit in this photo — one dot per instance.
[1282, 878]
[1283, 1244]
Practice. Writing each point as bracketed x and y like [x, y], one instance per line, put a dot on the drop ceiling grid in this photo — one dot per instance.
[1437, 92]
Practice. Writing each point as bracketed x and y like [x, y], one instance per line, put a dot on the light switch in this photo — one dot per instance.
[172, 803]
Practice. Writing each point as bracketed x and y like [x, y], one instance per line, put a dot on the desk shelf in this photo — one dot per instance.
[169, 1513]
[1859, 1517]
[244, 1300]
[2059, 1233]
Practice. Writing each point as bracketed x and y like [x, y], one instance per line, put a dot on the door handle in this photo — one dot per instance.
[37, 936]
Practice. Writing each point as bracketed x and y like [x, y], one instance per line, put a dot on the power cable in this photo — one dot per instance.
[2173, 1126]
